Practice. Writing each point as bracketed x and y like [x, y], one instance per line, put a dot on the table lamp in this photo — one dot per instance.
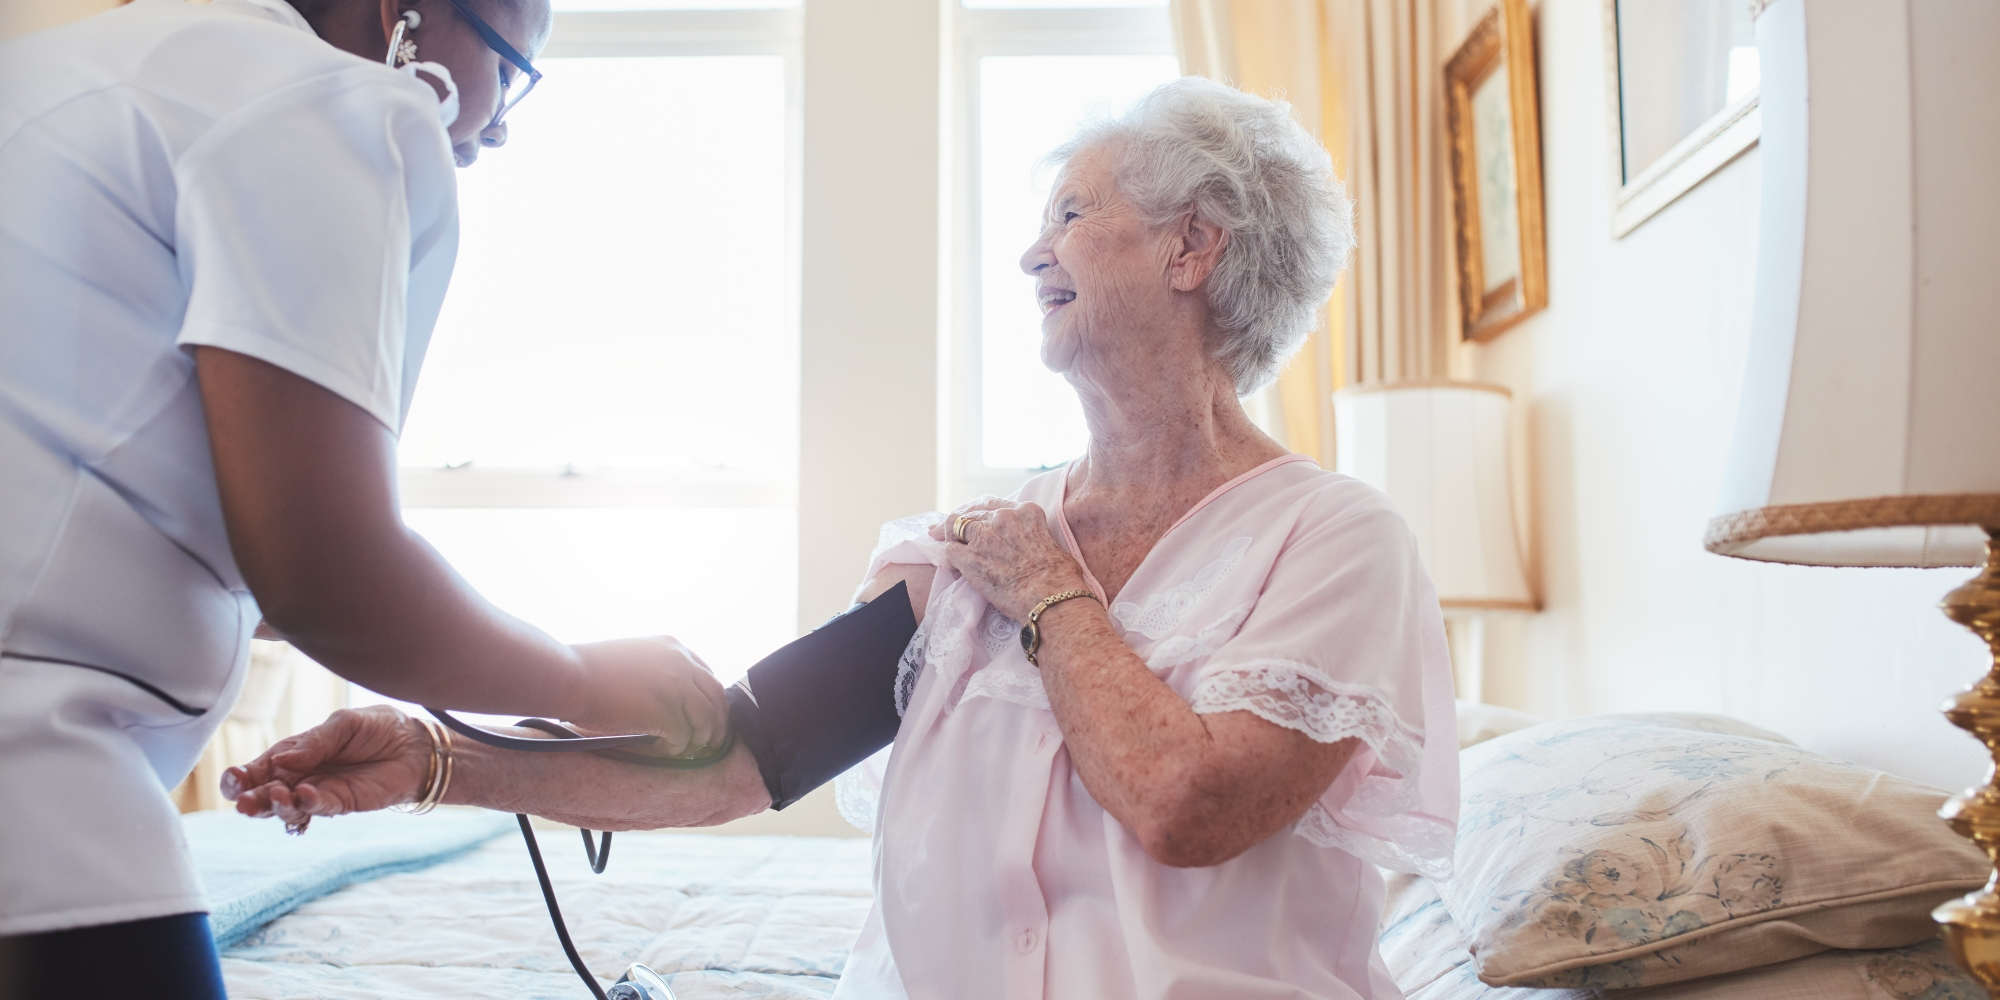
[1439, 450]
[1869, 432]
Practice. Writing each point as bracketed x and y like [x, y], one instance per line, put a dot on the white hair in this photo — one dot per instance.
[1239, 162]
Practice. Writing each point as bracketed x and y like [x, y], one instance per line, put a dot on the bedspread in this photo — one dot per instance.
[738, 917]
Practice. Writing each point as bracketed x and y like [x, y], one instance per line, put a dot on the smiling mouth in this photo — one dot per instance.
[1053, 298]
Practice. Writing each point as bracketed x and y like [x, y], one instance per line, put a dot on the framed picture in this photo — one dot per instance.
[1496, 173]
[1681, 78]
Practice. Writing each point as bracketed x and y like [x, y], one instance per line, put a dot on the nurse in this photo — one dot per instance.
[225, 233]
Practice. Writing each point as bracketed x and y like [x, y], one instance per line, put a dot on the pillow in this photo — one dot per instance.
[1427, 956]
[1622, 851]
[254, 873]
[1918, 972]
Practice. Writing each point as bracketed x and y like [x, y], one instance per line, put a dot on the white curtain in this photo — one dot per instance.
[1366, 77]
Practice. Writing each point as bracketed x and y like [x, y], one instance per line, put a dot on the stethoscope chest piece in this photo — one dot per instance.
[640, 983]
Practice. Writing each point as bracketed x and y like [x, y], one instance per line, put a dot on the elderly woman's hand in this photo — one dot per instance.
[358, 760]
[1008, 554]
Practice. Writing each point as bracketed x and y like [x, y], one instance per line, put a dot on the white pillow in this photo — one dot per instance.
[1623, 851]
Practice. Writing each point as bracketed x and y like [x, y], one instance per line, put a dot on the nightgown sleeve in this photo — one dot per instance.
[1347, 640]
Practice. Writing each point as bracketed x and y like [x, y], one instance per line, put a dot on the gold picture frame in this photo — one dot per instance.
[1495, 134]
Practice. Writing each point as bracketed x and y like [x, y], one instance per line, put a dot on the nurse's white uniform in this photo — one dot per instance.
[171, 175]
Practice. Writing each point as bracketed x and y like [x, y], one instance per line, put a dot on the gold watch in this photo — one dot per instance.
[1031, 633]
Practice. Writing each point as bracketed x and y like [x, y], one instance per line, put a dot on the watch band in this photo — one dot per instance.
[1031, 633]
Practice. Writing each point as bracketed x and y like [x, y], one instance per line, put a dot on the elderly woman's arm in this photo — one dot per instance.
[1195, 789]
[360, 760]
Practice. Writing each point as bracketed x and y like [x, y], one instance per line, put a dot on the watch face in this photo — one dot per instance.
[1028, 638]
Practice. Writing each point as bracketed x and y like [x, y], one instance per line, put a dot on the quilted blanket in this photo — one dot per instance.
[737, 917]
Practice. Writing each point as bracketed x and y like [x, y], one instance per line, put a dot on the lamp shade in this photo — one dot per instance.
[1439, 450]
[1869, 432]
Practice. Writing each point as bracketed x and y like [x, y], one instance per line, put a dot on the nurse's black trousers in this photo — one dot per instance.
[165, 958]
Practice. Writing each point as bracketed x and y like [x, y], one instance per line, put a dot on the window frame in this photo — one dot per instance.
[977, 33]
[637, 34]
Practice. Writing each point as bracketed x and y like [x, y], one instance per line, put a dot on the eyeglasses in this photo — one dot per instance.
[507, 52]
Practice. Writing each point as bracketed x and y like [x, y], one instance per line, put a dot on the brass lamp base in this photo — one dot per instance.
[1972, 924]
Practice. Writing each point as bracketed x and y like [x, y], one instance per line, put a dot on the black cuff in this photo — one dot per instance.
[824, 703]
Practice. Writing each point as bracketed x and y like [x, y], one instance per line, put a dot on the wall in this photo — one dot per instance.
[869, 291]
[20, 17]
[1627, 391]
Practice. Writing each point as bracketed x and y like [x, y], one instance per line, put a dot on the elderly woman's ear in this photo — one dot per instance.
[1201, 247]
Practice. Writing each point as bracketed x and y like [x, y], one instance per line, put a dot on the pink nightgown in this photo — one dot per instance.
[1290, 592]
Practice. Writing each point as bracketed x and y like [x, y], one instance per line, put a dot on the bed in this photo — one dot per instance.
[1652, 857]
[720, 916]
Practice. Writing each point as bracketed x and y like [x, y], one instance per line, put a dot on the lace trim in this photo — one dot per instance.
[1167, 609]
[1001, 684]
[998, 633]
[916, 527]
[1421, 845]
[1182, 649]
[1306, 700]
[1302, 698]
[908, 669]
[857, 797]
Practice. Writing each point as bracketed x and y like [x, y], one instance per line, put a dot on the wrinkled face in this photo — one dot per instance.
[482, 77]
[1101, 273]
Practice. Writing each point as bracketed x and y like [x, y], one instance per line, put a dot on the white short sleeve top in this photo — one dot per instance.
[171, 175]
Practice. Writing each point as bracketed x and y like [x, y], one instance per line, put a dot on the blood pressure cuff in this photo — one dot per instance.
[825, 702]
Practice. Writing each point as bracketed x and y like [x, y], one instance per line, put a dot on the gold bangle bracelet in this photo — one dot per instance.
[435, 777]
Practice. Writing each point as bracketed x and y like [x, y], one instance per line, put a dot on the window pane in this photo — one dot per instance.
[722, 580]
[1028, 105]
[624, 291]
[1063, 4]
[575, 6]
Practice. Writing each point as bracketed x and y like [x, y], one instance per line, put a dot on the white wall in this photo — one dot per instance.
[1628, 388]
[20, 17]
[869, 296]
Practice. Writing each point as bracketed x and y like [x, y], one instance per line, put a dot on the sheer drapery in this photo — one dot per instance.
[1363, 75]
[285, 693]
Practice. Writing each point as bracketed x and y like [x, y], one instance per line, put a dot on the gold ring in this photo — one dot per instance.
[958, 527]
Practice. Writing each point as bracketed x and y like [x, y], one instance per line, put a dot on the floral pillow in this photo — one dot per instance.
[1622, 851]
[1919, 972]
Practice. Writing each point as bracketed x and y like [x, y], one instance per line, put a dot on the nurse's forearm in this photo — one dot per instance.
[308, 488]
[598, 794]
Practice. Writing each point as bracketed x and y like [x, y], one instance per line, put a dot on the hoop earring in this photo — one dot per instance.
[403, 49]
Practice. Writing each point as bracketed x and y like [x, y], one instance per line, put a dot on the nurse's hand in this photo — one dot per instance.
[358, 760]
[653, 685]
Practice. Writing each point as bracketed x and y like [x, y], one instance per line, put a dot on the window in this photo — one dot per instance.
[1027, 78]
[605, 438]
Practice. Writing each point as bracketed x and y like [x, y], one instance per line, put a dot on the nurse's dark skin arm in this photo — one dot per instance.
[308, 487]
[373, 758]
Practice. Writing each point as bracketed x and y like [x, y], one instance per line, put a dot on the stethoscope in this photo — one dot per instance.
[638, 982]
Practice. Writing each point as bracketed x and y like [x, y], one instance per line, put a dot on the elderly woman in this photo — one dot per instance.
[1232, 702]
